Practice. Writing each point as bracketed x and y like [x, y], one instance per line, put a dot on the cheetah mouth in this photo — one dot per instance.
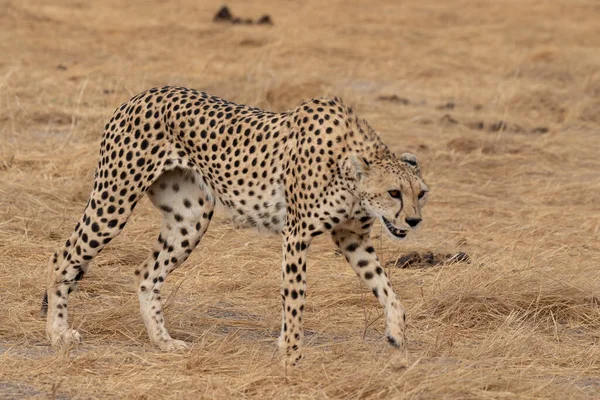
[399, 233]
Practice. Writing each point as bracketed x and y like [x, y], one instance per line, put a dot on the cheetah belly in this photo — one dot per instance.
[266, 211]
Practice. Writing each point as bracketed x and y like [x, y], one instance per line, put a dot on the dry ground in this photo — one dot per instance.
[500, 100]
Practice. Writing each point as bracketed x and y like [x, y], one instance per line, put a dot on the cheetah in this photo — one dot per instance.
[316, 169]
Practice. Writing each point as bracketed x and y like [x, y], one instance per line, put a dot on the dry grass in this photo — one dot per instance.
[521, 321]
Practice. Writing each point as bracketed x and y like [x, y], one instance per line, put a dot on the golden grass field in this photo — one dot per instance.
[501, 102]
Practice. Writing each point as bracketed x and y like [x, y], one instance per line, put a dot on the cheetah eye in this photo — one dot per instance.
[395, 194]
[422, 194]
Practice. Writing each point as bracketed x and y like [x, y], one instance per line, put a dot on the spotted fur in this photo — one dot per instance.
[317, 168]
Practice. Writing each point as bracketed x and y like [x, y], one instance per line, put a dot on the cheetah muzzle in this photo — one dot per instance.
[399, 233]
[302, 173]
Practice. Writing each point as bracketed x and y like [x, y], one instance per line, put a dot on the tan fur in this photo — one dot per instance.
[315, 169]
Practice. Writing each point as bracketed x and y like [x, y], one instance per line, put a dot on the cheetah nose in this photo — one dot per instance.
[413, 222]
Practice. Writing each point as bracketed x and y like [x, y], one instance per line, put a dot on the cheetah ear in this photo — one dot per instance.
[411, 160]
[360, 166]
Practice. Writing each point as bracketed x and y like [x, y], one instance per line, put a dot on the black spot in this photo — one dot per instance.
[352, 247]
[79, 275]
[393, 342]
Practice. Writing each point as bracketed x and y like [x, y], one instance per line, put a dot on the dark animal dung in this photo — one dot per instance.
[265, 20]
[223, 15]
[428, 259]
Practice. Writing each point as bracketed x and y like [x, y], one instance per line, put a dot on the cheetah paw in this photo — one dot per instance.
[398, 359]
[292, 360]
[398, 353]
[172, 345]
[65, 337]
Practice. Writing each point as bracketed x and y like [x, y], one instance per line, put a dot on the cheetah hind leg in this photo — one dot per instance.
[187, 206]
[101, 222]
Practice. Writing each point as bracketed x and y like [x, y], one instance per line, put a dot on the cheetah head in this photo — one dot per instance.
[391, 189]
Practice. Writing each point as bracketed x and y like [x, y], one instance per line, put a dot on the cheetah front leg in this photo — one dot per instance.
[361, 256]
[293, 292]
